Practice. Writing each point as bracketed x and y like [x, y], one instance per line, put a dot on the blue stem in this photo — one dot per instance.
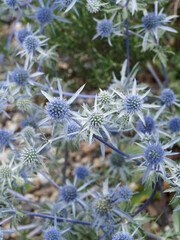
[69, 94]
[148, 201]
[50, 180]
[59, 219]
[6, 220]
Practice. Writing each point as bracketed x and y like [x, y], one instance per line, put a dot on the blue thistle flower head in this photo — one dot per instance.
[52, 234]
[167, 96]
[20, 76]
[81, 172]
[149, 127]
[30, 156]
[11, 3]
[124, 194]
[22, 34]
[5, 138]
[68, 193]
[117, 160]
[44, 15]
[150, 21]
[154, 154]
[31, 43]
[102, 206]
[174, 124]
[72, 128]
[57, 109]
[104, 28]
[96, 119]
[122, 236]
[5, 172]
[133, 103]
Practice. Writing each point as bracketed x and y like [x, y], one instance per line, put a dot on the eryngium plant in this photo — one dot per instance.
[139, 124]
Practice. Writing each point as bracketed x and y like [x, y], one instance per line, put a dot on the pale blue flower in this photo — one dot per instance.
[105, 28]
[44, 14]
[152, 22]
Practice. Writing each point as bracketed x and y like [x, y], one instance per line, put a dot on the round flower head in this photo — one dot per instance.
[81, 172]
[72, 128]
[168, 97]
[70, 196]
[124, 194]
[152, 22]
[5, 172]
[117, 160]
[104, 97]
[174, 124]
[155, 156]
[28, 132]
[118, 166]
[30, 156]
[24, 104]
[95, 121]
[148, 127]
[22, 34]
[44, 14]
[22, 77]
[68, 193]
[19, 181]
[32, 45]
[52, 234]
[133, 104]
[104, 206]
[105, 28]
[58, 109]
